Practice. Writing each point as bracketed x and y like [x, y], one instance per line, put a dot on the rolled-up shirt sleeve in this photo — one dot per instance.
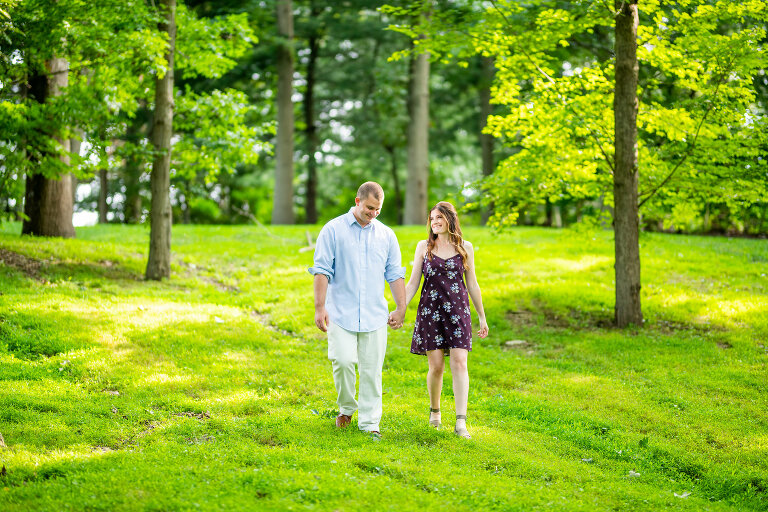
[394, 269]
[324, 261]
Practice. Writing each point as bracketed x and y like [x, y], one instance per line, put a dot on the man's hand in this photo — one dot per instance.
[321, 319]
[396, 318]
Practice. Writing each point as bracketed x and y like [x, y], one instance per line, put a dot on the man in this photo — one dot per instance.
[354, 255]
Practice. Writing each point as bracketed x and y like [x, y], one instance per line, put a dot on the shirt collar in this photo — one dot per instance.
[351, 219]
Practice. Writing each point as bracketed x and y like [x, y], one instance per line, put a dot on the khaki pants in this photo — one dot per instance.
[366, 350]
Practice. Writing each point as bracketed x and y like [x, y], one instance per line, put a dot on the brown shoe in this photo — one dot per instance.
[342, 420]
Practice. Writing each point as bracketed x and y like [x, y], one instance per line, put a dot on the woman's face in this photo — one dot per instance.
[438, 223]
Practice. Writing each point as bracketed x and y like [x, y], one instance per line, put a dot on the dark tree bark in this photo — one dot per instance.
[159, 262]
[418, 142]
[136, 129]
[74, 149]
[282, 205]
[395, 181]
[48, 203]
[488, 70]
[103, 194]
[625, 217]
[309, 120]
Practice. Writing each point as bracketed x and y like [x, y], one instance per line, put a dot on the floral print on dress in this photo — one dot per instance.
[443, 315]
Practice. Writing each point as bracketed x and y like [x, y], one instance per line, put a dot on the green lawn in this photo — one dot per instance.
[212, 391]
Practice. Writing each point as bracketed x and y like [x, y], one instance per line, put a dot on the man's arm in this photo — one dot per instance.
[321, 289]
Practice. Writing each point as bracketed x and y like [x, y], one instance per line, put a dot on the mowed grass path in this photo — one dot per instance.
[212, 391]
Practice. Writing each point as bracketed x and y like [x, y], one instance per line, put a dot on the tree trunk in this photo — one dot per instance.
[625, 217]
[48, 203]
[159, 262]
[418, 142]
[133, 170]
[309, 119]
[488, 71]
[396, 181]
[282, 205]
[74, 150]
[103, 193]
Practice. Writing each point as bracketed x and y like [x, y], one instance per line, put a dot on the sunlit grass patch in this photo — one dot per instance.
[213, 390]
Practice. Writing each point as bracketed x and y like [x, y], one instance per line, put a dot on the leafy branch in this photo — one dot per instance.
[554, 83]
[692, 145]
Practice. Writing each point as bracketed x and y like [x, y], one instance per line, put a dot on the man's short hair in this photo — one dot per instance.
[370, 188]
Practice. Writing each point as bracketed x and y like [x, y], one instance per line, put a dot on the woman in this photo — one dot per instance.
[443, 324]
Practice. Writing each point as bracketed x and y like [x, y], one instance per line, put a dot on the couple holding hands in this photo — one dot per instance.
[354, 255]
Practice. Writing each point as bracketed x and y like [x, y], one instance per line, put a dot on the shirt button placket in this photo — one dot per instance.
[363, 255]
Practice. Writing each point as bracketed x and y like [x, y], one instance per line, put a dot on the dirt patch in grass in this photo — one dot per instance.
[545, 317]
[190, 414]
[29, 266]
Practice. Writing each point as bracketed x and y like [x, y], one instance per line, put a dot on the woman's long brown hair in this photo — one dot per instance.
[454, 230]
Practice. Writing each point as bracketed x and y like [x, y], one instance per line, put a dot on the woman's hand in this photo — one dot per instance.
[483, 330]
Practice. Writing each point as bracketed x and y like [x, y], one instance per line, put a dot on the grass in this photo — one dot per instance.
[212, 390]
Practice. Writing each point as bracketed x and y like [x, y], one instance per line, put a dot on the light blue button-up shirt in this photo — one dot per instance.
[357, 260]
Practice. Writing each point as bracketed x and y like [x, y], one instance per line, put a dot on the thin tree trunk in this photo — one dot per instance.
[159, 261]
[625, 217]
[74, 149]
[418, 142]
[309, 120]
[48, 203]
[396, 181]
[103, 194]
[132, 172]
[488, 71]
[282, 205]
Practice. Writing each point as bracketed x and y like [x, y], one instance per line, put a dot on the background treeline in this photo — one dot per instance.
[541, 70]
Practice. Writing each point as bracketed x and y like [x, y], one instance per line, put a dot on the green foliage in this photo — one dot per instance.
[115, 51]
[214, 389]
[210, 47]
[702, 124]
[216, 134]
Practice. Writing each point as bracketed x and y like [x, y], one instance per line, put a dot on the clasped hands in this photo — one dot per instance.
[396, 318]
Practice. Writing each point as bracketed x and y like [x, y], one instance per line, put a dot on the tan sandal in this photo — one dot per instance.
[434, 423]
[462, 432]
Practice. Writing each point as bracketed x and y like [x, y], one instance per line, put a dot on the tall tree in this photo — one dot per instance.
[700, 132]
[48, 201]
[487, 73]
[282, 206]
[159, 261]
[626, 223]
[417, 181]
[311, 135]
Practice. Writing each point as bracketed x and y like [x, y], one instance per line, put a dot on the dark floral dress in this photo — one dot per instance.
[442, 320]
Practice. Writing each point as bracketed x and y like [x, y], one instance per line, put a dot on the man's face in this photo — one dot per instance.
[367, 209]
